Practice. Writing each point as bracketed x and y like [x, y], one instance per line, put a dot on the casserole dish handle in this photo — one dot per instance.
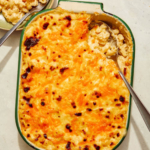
[79, 6]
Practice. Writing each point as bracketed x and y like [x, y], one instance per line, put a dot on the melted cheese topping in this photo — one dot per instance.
[71, 96]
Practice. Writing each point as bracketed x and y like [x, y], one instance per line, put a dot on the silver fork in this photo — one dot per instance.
[144, 112]
[38, 8]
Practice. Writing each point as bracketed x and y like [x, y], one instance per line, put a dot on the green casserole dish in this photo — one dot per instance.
[90, 7]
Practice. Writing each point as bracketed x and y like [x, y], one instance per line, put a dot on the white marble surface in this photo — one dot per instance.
[137, 15]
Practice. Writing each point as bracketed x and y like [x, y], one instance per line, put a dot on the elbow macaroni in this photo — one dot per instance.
[14, 10]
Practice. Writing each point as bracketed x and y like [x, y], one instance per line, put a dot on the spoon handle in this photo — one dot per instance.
[4, 38]
[144, 112]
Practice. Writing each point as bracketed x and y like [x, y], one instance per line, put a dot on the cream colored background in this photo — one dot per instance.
[136, 13]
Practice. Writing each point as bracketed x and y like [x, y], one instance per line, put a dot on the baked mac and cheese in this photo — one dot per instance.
[71, 96]
[14, 10]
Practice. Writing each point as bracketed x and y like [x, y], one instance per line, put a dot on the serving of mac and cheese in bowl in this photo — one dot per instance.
[13, 10]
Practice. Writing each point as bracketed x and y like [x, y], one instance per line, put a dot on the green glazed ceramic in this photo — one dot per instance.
[104, 16]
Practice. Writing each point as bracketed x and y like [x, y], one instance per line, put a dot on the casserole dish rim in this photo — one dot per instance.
[19, 69]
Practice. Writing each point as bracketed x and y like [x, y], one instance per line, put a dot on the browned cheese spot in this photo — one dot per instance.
[73, 104]
[107, 116]
[100, 68]
[85, 21]
[68, 146]
[45, 136]
[111, 143]
[78, 114]
[117, 76]
[89, 109]
[115, 99]
[53, 93]
[101, 109]
[31, 42]
[26, 89]
[28, 70]
[68, 127]
[59, 98]
[97, 94]
[125, 71]
[118, 105]
[30, 54]
[94, 103]
[119, 127]
[122, 99]
[44, 48]
[43, 103]
[30, 105]
[52, 68]
[68, 24]
[28, 135]
[68, 18]
[69, 21]
[54, 24]
[118, 134]
[45, 25]
[97, 147]
[62, 70]
[83, 132]
[86, 147]
[122, 116]
[26, 99]
[32, 66]
[42, 142]
[24, 76]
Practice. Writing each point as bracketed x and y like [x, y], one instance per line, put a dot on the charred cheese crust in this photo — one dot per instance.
[71, 96]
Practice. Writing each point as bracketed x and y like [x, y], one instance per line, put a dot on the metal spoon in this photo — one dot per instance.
[144, 112]
[38, 8]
